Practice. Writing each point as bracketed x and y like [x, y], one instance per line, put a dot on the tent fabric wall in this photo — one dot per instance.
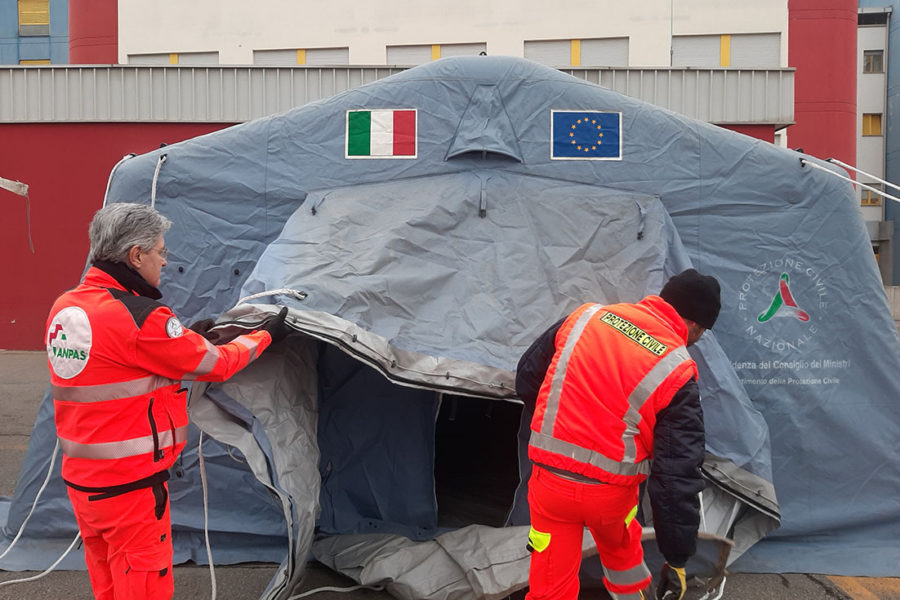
[800, 367]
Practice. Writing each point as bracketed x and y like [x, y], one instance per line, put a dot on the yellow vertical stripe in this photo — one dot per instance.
[435, 51]
[725, 51]
[173, 58]
[631, 515]
[34, 12]
[575, 59]
[301, 56]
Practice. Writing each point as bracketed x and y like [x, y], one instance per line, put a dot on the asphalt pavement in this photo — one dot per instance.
[23, 380]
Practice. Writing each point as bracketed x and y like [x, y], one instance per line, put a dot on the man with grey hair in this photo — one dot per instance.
[117, 357]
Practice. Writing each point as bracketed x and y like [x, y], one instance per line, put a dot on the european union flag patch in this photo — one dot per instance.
[585, 135]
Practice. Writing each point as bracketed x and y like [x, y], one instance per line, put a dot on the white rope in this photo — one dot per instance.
[212, 568]
[861, 172]
[49, 569]
[376, 588]
[159, 164]
[36, 498]
[839, 176]
[113, 172]
[283, 291]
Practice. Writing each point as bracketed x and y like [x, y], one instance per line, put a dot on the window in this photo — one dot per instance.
[416, 55]
[303, 56]
[871, 124]
[878, 16]
[553, 53]
[870, 198]
[746, 51]
[873, 61]
[34, 17]
[175, 58]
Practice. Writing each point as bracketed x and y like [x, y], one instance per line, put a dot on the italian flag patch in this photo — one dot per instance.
[382, 133]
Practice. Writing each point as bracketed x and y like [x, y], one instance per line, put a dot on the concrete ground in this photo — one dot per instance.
[23, 380]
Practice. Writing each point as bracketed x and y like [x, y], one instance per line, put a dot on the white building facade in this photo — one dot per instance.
[871, 103]
[606, 33]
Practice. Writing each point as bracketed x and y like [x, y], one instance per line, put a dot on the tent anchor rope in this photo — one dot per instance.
[203, 484]
[159, 164]
[49, 569]
[283, 291]
[861, 172]
[804, 162]
[36, 498]
[113, 172]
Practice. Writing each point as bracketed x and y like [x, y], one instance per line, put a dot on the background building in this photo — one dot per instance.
[34, 32]
[655, 33]
[189, 68]
[876, 17]
[871, 60]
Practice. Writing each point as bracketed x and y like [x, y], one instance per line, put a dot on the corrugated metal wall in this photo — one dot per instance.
[216, 94]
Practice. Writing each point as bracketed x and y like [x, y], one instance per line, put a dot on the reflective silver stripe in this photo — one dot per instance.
[627, 577]
[583, 455]
[250, 345]
[109, 391]
[552, 407]
[207, 363]
[642, 392]
[124, 448]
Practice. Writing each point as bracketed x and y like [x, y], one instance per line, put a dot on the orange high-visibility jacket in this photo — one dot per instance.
[116, 364]
[615, 367]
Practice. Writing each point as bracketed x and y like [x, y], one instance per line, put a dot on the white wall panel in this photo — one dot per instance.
[609, 52]
[696, 51]
[756, 50]
[408, 55]
[553, 53]
[462, 49]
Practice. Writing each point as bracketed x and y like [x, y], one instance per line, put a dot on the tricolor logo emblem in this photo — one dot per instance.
[783, 304]
[382, 133]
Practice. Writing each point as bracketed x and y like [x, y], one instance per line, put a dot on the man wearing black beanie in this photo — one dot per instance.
[615, 401]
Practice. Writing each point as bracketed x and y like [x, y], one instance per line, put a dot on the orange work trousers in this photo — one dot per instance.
[560, 510]
[128, 549]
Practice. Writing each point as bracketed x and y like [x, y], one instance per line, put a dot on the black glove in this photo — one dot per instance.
[203, 328]
[672, 583]
[276, 326]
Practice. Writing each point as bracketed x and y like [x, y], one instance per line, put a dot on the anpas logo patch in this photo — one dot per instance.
[174, 328]
[69, 341]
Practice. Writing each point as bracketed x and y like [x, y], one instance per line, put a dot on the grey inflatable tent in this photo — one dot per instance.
[423, 230]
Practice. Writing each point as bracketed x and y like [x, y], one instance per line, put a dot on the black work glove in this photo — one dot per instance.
[203, 328]
[276, 326]
[672, 583]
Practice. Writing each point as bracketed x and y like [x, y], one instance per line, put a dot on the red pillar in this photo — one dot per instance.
[93, 32]
[822, 47]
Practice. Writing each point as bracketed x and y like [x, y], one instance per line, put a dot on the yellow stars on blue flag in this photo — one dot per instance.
[585, 135]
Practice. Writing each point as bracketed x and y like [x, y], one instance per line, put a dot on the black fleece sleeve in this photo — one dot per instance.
[533, 366]
[679, 446]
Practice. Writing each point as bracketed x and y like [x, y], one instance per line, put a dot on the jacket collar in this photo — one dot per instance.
[667, 313]
[103, 273]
